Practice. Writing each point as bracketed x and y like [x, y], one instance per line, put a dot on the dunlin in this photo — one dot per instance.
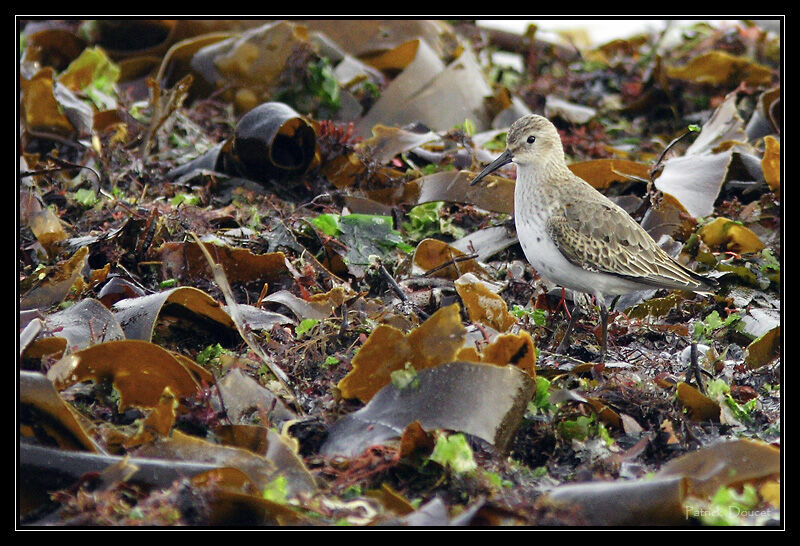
[575, 236]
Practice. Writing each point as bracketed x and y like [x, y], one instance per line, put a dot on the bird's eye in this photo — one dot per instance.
[531, 139]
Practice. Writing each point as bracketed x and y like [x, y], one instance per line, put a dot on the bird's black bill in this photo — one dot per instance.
[504, 159]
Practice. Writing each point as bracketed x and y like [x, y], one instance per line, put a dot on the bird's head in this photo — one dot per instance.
[531, 140]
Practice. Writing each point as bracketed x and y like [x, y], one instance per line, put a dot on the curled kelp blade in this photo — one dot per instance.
[135, 37]
[138, 316]
[427, 90]
[139, 370]
[272, 140]
[46, 415]
[79, 326]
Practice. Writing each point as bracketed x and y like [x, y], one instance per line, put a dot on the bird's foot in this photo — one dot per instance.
[562, 303]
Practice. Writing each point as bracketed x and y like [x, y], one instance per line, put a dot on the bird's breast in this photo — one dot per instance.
[537, 244]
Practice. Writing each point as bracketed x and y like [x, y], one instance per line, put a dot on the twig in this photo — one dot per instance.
[57, 138]
[694, 368]
[427, 282]
[233, 310]
[320, 240]
[651, 183]
[668, 148]
[344, 324]
[399, 291]
[66, 165]
[452, 261]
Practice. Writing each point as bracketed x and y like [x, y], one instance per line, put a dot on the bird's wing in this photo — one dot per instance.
[597, 235]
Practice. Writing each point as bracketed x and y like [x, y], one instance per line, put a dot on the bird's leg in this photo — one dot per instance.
[564, 345]
[563, 303]
[694, 368]
[604, 329]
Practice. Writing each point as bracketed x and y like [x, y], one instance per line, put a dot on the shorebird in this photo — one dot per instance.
[576, 237]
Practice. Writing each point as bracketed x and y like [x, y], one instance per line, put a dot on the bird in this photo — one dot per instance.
[573, 235]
